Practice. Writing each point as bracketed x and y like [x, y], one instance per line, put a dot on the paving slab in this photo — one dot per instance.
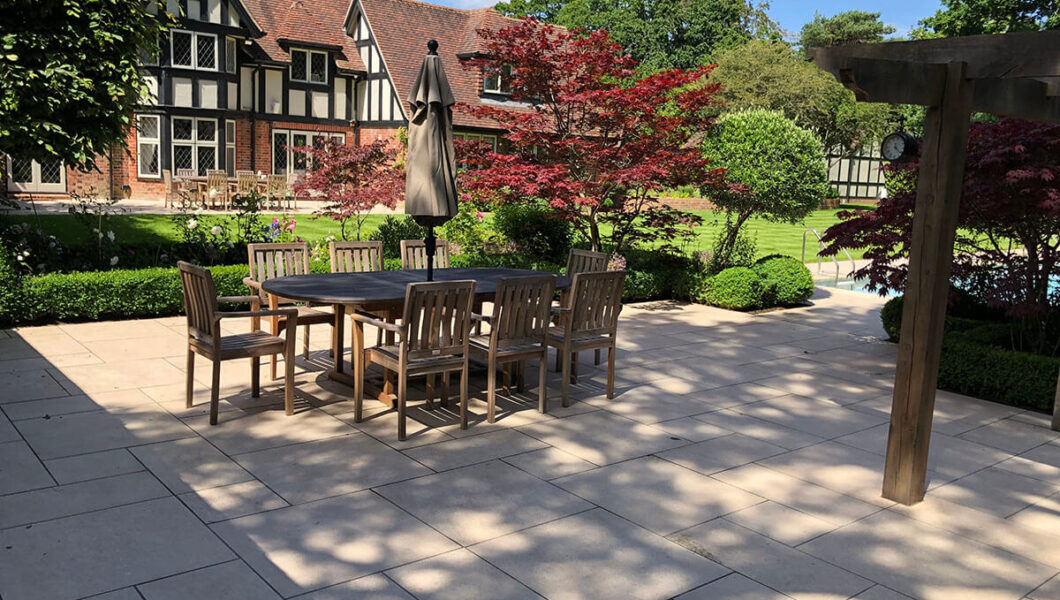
[1010, 435]
[598, 555]
[818, 385]
[658, 495]
[603, 438]
[838, 467]
[8, 433]
[95, 465]
[310, 546]
[822, 418]
[339, 465]
[124, 375]
[462, 503]
[376, 587]
[459, 575]
[35, 409]
[238, 432]
[231, 501]
[1043, 516]
[781, 523]
[549, 463]
[76, 498]
[76, 556]
[83, 433]
[923, 561]
[128, 593]
[735, 395]
[774, 433]
[453, 454]
[770, 563]
[648, 404]
[20, 469]
[997, 492]
[22, 386]
[231, 581]
[733, 587]
[721, 453]
[190, 464]
[1047, 591]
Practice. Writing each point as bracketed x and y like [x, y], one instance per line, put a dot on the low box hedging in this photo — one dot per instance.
[786, 281]
[976, 362]
[737, 288]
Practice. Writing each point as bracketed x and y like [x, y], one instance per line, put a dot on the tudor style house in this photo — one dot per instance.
[237, 84]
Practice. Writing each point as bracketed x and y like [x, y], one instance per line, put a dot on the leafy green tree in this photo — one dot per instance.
[851, 27]
[772, 75]
[971, 17]
[777, 169]
[70, 75]
[542, 10]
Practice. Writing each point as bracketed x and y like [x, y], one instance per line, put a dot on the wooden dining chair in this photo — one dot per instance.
[187, 187]
[217, 188]
[205, 339]
[518, 329]
[246, 183]
[583, 261]
[589, 322]
[276, 190]
[356, 257]
[414, 254]
[432, 338]
[271, 260]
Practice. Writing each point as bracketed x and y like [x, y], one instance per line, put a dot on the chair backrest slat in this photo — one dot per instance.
[200, 300]
[585, 261]
[246, 182]
[437, 318]
[267, 261]
[276, 185]
[414, 254]
[521, 310]
[356, 257]
[596, 301]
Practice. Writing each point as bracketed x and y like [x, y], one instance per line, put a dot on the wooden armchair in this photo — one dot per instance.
[519, 326]
[205, 339]
[356, 257]
[583, 261]
[588, 323]
[276, 190]
[217, 189]
[280, 260]
[432, 338]
[187, 188]
[246, 183]
[414, 254]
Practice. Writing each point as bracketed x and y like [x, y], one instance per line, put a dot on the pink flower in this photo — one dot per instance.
[291, 224]
[479, 215]
[275, 221]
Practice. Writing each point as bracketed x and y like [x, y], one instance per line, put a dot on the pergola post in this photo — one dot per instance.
[930, 260]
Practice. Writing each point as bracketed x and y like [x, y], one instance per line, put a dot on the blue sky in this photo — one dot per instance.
[792, 14]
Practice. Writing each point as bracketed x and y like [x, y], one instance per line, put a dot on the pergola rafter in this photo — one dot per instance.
[1015, 75]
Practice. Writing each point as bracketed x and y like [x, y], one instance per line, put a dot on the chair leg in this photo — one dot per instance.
[596, 360]
[559, 359]
[358, 387]
[565, 374]
[574, 367]
[542, 391]
[305, 343]
[506, 370]
[445, 390]
[491, 386]
[430, 391]
[272, 359]
[520, 381]
[215, 391]
[610, 372]
[463, 395]
[191, 378]
[288, 383]
[402, 390]
[255, 377]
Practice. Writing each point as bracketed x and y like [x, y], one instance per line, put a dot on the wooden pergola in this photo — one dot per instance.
[1014, 74]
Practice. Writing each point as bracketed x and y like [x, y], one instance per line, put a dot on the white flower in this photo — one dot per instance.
[192, 223]
[25, 254]
[198, 210]
[213, 193]
[110, 235]
[216, 230]
[113, 260]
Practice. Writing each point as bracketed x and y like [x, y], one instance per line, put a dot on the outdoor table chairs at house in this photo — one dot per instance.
[217, 190]
[425, 328]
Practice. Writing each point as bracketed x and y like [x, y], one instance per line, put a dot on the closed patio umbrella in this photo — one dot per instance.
[430, 170]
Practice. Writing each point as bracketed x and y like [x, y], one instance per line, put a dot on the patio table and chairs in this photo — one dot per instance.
[219, 190]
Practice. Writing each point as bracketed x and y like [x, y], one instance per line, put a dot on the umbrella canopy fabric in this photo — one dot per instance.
[430, 171]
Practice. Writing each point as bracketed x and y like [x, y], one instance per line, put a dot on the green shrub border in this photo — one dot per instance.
[974, 368]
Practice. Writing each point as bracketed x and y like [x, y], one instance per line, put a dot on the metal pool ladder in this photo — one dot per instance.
[820, 246]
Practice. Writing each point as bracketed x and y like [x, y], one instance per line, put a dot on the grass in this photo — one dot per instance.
[143, 229]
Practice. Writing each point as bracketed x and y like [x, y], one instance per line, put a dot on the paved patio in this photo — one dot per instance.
[741, 458]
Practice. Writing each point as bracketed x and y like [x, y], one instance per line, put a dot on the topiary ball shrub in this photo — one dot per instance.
[786, 280]
[737, 288]
[891, 316]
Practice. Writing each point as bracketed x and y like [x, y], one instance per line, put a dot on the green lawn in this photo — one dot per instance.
[141, 229]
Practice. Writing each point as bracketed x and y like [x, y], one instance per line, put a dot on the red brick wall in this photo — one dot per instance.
[690, 203]
[371, 134]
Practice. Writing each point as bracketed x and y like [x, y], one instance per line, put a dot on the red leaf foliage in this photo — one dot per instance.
[588, 137]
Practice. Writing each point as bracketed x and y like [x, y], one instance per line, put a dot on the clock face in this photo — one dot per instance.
[893, 146]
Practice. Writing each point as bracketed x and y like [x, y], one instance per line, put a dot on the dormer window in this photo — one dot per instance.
[309, 66]
[498, 82]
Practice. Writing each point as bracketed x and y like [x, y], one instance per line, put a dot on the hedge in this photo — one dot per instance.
[786, 281]
[975, 362]
[737, 288]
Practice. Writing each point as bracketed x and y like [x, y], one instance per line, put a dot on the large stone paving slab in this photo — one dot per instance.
[81, 433]
[105, 550]
[603, 438]
[29, 385]
[190, 464]
[463, 503]
[239, 432]
[475, 449]
[75, 498]
[721, 453]
[598, 555]
[340, 465]
[315, 545]
[376, 587]
[459, 575]
[20, 469]
[230, 581]
[658, 495]
[733, 587]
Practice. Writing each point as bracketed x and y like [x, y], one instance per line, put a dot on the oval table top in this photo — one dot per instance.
[382, 287]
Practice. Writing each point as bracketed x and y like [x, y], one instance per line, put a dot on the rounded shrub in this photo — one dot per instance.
[891, 316]
[737, 288]
[786, 280]
[394, 229]
[536, 231]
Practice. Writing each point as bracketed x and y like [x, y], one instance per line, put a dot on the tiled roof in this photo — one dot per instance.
[316, 22]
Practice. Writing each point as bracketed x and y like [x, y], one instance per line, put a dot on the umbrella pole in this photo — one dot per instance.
[430, 244]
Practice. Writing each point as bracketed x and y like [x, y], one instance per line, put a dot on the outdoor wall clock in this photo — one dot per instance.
[899, 146]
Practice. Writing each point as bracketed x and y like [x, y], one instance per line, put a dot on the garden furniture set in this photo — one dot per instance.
[217, 190]
[425, 328]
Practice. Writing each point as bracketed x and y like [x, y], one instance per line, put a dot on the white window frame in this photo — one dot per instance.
[195, 35]
[230, 144]
[290, 133]
[489, 138]
[231, 49]
[34, 184]
[500, 77]
[308, 66]
[142, 140]
[194, 142]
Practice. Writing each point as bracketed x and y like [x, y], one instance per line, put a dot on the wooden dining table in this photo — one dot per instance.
[378, 291]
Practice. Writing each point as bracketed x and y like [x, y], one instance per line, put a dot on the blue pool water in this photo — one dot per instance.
[858, 285]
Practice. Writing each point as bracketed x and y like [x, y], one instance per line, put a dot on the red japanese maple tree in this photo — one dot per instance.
[353, 180]
[1008, 246]
[587, 136]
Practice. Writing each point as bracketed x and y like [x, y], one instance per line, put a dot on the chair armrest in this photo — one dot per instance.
[252, 283]
[363, 318]
[252, 300]
[483, 318]
[290, 313]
